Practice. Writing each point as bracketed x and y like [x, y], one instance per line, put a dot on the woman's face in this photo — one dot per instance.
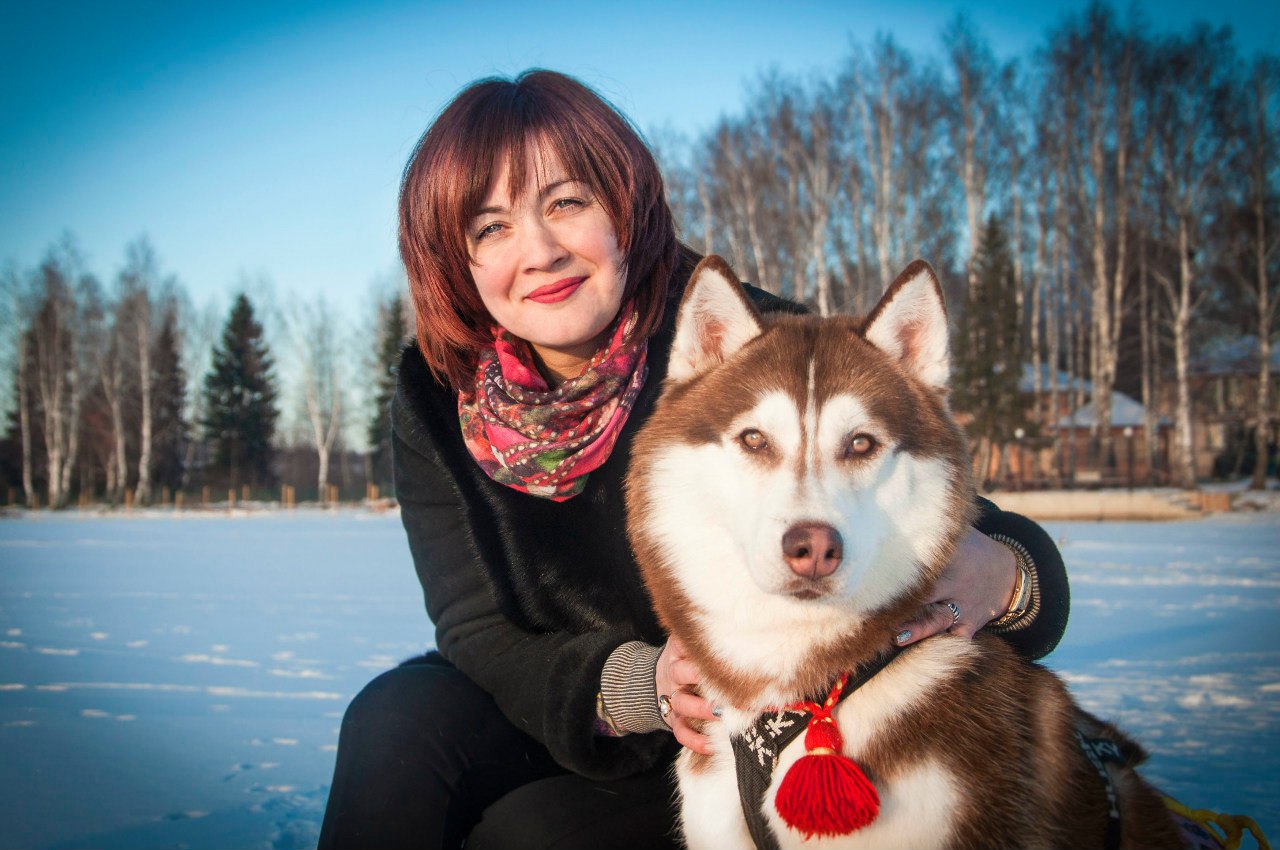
[547, 265]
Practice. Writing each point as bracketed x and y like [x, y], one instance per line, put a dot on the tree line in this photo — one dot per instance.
[125, 391]
[1132, 175]
[1100, 211]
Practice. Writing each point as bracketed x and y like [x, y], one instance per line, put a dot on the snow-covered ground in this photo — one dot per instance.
[180, 682]
[1175, 635]
[170, 682]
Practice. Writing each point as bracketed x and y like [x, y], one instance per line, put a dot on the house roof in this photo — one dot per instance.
[1125, 412]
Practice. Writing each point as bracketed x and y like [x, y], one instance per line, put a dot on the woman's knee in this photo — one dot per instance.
[414, 701]
[398, 767]
[423, 751]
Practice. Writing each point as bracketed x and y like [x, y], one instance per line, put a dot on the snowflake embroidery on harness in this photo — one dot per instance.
[762, 737]
[782, 721]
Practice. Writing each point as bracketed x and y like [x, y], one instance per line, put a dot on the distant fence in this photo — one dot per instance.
[1046, 505]
[211, 498]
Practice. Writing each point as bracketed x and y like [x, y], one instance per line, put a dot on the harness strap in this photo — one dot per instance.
[1100, 751]
[756, 751]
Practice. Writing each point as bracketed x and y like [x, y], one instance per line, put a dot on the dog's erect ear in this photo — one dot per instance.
[715, 320]
[910, 324]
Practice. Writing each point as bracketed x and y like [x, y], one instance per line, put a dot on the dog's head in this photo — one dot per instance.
[799, 472]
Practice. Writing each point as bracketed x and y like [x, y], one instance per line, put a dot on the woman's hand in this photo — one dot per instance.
[979, 582]
[677, 678]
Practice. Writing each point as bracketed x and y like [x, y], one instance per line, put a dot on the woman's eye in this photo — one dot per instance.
[753, 440]
[567, 203]
[488, 230]
[860, 445]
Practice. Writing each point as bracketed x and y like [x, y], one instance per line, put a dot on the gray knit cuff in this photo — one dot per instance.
[1033, 603]
[627, 686]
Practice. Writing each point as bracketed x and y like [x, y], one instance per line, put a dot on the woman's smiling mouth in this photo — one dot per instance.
[557, 291]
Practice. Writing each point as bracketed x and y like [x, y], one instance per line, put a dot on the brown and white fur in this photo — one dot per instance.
[758, 437]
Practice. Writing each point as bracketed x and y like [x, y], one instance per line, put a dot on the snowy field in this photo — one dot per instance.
[179, 682]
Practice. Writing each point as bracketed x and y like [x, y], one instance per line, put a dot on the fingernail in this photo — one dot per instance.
[718, 711]
[902, 636]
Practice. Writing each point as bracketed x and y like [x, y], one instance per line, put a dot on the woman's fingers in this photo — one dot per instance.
[685, 672]
[686, 704]
[677, 679]
[687, 707]
[689, 737]
[933, 619]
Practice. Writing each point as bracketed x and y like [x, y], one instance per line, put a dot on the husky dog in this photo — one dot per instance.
[793, 498]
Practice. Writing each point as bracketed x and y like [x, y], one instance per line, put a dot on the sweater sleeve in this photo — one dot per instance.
[544, 682]
[1038, 638]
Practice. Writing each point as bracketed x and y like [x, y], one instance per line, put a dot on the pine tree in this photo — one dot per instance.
[240, 400]
[989, 348]
[390, 338]
[169, 383]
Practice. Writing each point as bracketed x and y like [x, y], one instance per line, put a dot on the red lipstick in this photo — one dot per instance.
[558, 291]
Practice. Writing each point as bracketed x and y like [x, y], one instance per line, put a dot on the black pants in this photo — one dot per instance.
[426, 759]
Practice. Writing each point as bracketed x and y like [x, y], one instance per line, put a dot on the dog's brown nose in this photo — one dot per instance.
[812, 551]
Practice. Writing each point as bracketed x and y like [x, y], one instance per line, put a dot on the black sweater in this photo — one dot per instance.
[530, 596]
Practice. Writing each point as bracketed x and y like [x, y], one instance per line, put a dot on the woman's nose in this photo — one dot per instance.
[541, 246]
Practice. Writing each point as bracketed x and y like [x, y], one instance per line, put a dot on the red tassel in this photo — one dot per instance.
[825, 793]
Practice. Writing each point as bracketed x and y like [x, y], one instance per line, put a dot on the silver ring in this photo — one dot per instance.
[955, 612]
[664, 707]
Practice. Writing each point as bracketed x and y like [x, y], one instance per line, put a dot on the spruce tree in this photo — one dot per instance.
[390, 338]
[240, 400]
[989, 346]
[169, 388]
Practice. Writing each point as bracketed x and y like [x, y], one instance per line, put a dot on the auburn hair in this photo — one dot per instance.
[499, 121]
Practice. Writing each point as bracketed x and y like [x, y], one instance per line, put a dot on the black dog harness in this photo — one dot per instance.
[1101, 752]
[756, 750]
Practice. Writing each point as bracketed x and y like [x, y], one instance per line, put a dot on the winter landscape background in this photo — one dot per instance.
[179, 681]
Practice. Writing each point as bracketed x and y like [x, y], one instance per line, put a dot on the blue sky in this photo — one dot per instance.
[267, 139]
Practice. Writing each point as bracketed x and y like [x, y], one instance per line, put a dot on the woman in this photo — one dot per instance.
[544, 268]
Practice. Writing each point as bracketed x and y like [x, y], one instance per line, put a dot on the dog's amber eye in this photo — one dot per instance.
[753, 439]
[859, 445]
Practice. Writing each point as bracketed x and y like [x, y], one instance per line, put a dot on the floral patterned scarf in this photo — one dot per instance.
[544, 441]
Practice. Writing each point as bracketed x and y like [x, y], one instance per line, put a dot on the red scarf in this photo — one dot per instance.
[544, 441]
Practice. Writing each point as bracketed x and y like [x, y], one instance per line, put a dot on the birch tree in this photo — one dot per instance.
[1095, 63]
[139, 288]
[1193, 100]
[739, 162]
[972, 121]
[318, 354]
[805, 129]
[111, 378]
[876, 84]
[61, 361]
[1257, 240]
